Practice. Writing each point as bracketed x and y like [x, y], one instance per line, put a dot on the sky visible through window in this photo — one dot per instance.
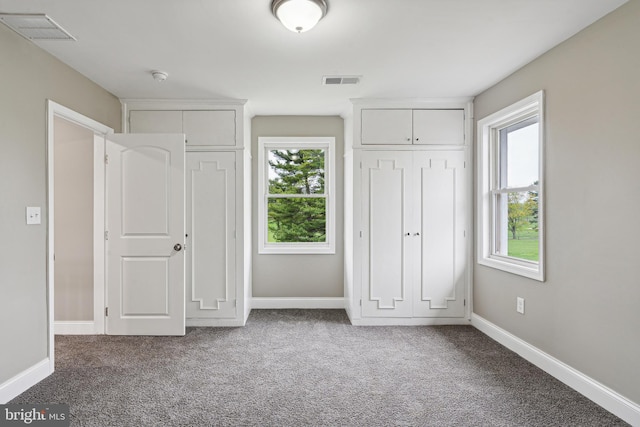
[522, 156]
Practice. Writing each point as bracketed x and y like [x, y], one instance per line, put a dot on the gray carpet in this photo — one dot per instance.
[307, 367]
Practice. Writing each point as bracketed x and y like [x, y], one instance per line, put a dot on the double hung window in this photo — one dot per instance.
[296, 190]
[510, 220]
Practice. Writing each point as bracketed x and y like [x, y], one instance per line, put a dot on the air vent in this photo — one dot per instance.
[341, 80]
[35, 26]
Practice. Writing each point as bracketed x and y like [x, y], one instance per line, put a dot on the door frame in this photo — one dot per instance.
[99, 131]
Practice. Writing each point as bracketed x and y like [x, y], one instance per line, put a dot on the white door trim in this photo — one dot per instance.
[56, 110]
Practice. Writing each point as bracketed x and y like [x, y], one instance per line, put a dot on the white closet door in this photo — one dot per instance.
[386, 278]
[211, 248]
[148, 121]
[444, 127]
[440, 264]
[386, 127]
[210, 127]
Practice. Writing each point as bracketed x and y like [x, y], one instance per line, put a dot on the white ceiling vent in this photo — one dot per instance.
[35, 26]
[341, 80]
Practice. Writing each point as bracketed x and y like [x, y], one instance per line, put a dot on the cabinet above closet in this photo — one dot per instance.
[204, 124]
[409, 123]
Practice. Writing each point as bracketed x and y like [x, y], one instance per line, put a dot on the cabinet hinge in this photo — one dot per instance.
[106, 312]
[106, 235]
[106, 159]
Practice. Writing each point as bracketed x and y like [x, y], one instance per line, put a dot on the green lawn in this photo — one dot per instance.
[525, 246]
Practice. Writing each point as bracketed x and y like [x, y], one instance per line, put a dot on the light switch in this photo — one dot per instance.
[33, 215]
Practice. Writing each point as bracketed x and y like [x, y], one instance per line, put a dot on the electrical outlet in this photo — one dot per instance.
[520, 305]
[33, 215]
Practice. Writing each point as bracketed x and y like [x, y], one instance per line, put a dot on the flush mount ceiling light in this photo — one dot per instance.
[159, 76]
[299, 15]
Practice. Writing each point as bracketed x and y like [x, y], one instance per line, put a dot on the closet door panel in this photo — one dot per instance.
[143, 121]
[440, 269]
[443, 127]
[386, 284]
[210, 127]
[386, 127]
[211, 247]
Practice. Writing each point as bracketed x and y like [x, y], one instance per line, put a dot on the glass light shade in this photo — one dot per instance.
[299, 15]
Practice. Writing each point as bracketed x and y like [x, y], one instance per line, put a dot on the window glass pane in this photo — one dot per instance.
[300, 219]
[518, 234]
[519, 143]
[296, 171]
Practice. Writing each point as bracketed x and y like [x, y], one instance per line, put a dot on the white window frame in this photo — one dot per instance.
[488, 186]
[265, 144]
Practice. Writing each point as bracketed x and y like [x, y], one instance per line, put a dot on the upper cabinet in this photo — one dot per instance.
[412, 126]
[204, 124]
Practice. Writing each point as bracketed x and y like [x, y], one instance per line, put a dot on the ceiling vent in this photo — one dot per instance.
[35, 26]
[341, 80]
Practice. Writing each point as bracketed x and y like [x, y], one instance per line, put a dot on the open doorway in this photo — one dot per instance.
[73, 205]
[75, 226]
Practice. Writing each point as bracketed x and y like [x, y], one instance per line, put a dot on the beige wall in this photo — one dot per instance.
[586, 314]
[30, 77]
[73, 216]
[299, 275]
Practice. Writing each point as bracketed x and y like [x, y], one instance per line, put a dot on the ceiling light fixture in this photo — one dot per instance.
[159, 76]
[299, 15]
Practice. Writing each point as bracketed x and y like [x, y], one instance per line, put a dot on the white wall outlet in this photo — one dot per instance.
[33, 215]
[520, 305]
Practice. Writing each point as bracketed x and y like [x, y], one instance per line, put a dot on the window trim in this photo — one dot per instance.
[270, 143]
[488, 182]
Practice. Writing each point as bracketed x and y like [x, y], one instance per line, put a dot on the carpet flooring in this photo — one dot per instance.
[307, 367]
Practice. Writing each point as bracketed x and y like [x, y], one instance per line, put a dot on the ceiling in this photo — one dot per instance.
[237, 49]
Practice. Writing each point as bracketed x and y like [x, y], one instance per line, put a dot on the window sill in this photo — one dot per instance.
[297, 249]
[525, 269]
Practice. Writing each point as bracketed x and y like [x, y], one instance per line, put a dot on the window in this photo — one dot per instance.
[510, 190]
[296, 189]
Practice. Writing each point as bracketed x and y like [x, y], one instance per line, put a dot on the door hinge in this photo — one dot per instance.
[106, 235]
[106, 312]
[106, 159]
[464, 302]
[235, 302]
[360, 302]
[360, 165]
[360, 233]
[464, 165]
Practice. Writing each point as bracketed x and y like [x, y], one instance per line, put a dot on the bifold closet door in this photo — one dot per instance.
[211, 242]
[387, 236]
[440, 272]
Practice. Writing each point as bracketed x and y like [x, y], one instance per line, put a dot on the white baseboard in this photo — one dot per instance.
[214, 323]
[74, 327]
[24, 380]
[260, 302]
[602, 395]
[409, 321]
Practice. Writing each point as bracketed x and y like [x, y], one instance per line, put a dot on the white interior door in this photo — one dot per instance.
[387, 234]
[146, 229]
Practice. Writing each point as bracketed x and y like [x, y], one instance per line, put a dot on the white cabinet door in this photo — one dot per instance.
[443, 127]
[210, 127]
[145, 223]
[143, 121]
[211, 216]
[386, 127]
[439, 281]
[386, 278]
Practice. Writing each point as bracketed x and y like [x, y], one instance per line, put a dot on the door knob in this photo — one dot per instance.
[416, 234]
[177, 247]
